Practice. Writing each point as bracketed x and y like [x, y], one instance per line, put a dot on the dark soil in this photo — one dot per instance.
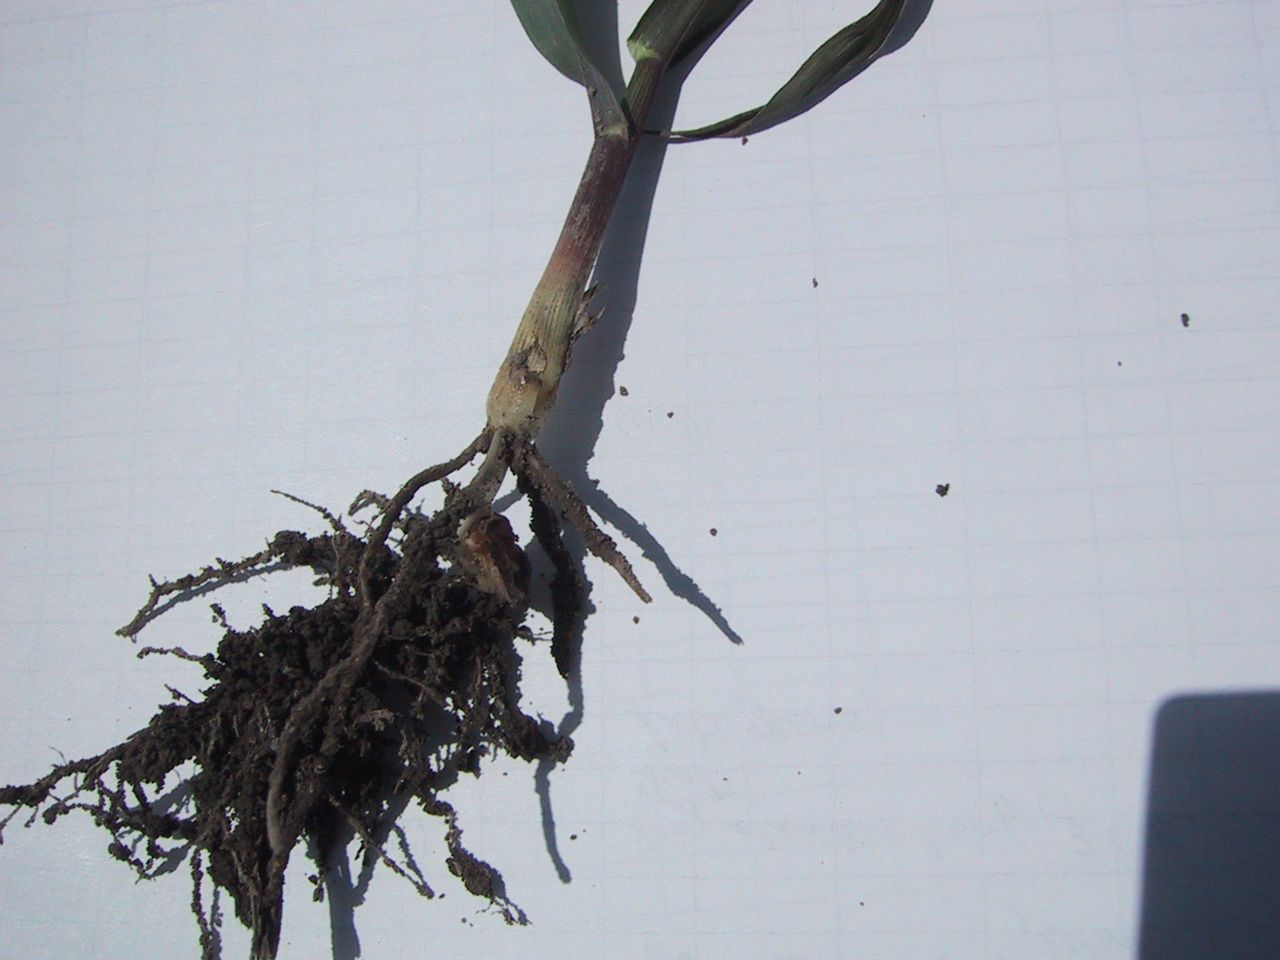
[325, 722]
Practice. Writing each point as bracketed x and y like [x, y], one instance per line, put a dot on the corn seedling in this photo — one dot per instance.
[324, 723]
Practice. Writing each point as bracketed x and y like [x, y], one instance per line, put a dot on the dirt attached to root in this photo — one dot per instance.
[322, 722]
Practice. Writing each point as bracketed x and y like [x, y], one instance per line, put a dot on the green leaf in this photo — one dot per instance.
[664, 30]
[553, 28]
[830, 67]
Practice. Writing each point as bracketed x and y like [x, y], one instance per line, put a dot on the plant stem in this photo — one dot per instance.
[525, 388]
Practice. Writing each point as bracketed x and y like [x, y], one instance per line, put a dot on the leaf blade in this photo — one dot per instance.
[657, 32]
[553, 28]
[831, 66]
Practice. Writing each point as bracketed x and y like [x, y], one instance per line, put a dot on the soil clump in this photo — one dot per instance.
[325, 722]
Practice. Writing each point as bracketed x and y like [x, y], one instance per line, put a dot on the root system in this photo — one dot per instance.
[322, 722]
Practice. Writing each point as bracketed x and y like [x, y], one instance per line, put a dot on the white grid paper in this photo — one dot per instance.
[231, 234]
